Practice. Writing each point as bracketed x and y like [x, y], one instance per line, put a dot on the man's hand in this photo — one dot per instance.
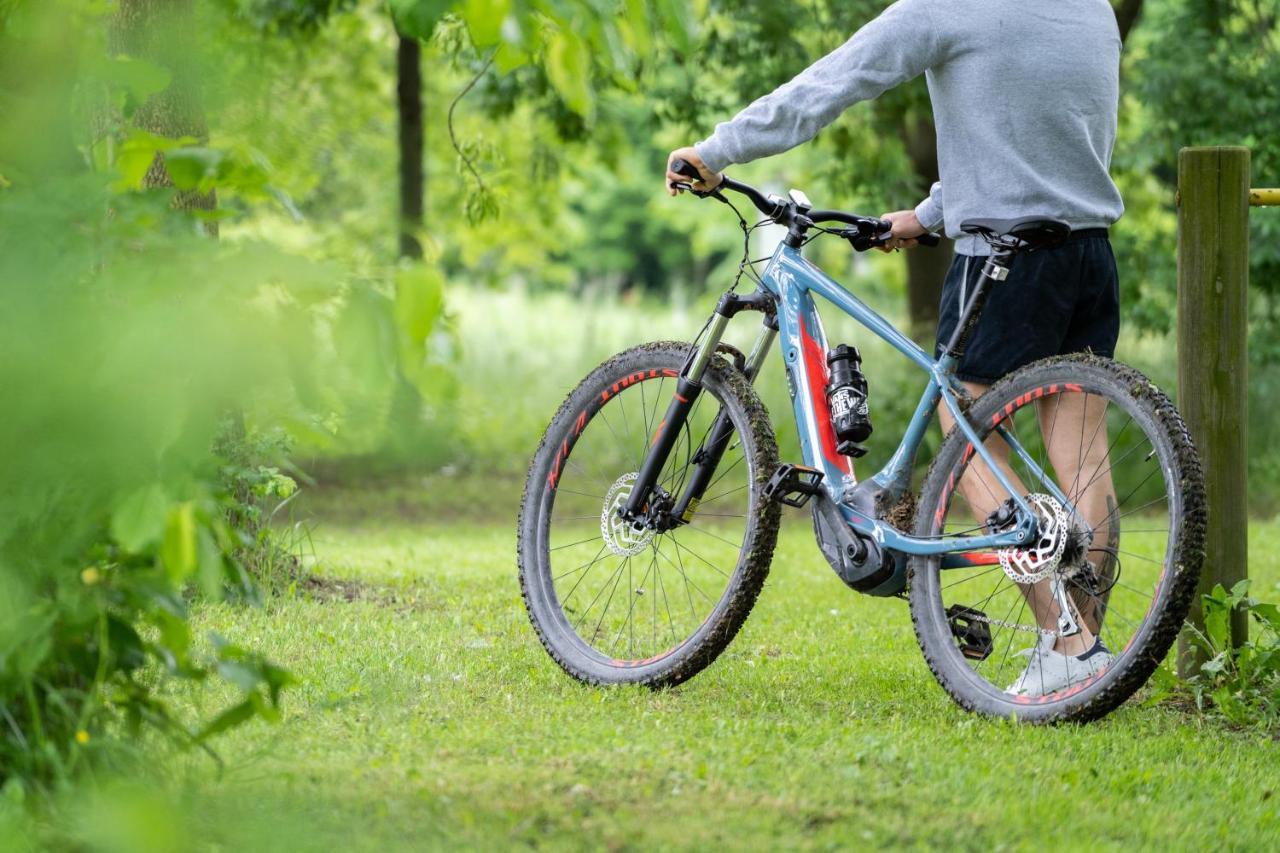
[906, 227]
[710, 180]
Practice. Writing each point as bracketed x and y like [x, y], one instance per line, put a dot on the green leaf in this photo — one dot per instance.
[509, 58]
[1217, 625]
[174, 645]
[139, 519]
[484, 20]
[677, 18]
[568, 69]
[365, 337]
[243, 674]
[140, 78]
[1268, 614]
[126, 645]
[418, 18]
[179, 549]
[635, 27]
[193, 167]
[419, 302]
[132, 165]
[228, 719]
[136, 153]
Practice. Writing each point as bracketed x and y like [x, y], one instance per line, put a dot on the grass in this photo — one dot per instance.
[429, 716]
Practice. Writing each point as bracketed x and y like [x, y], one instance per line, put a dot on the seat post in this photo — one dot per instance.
[995, 269]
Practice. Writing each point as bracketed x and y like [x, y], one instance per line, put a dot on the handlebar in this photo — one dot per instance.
[866, 233]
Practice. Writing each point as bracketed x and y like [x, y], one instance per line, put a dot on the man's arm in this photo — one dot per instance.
[929, 211]
[895, 47]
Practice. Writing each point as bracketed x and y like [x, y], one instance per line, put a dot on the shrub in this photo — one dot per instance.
[1240, 682]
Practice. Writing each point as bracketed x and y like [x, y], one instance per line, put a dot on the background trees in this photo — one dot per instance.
[408, 279]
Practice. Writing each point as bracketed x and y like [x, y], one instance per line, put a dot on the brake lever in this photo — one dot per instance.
[861, 242]
[685, 185]
[858, 239]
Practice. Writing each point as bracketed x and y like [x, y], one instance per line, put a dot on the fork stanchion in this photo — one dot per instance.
[1213, 281]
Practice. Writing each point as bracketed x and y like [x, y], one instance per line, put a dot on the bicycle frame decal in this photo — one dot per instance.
[793, 280]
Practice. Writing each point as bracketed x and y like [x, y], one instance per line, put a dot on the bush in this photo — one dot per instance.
[129, 336]
[1241, 683]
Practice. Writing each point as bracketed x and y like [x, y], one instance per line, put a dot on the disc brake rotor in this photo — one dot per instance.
[1039, 560]
[622, 537]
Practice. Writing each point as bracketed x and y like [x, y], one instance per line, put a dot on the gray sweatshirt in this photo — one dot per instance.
[1024, 99]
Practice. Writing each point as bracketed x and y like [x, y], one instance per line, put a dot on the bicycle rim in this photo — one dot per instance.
[634, 596]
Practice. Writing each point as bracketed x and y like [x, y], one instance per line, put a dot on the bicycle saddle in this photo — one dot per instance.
[1037, 232]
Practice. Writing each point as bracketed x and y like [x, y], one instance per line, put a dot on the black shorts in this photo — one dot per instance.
[1054, 302]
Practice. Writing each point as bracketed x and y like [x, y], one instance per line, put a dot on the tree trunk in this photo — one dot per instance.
[409, 106]
[926, 268]
[163, 32]
[1127, 12]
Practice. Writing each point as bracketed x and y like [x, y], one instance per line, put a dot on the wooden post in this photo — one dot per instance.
[1213, 282]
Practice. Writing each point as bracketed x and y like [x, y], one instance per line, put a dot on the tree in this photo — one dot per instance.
[161, 32]
[409, 111]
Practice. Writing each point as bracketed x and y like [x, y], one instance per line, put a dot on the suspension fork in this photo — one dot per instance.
[688, 387]
[708, 456]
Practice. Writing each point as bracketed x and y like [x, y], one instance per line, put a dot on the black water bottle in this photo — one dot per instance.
[847, 399]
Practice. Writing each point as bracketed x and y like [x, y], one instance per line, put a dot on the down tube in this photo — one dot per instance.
[804, 352]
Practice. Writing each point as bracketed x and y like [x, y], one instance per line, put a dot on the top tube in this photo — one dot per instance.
[788, 264]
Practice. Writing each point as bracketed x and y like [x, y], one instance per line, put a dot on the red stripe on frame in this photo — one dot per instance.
[816, 367]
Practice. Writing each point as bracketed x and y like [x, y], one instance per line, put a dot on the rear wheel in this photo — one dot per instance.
[613, 603]
[1127, 548]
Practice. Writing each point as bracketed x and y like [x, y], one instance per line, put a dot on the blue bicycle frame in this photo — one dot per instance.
[792, 280]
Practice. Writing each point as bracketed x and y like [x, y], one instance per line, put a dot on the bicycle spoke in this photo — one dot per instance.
[723, 494]
[680, 548]
[696, 529]
[606, 607]
[1105, 481]
[571, 544]
[585, 565]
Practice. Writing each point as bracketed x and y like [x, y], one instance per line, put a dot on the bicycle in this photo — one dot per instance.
[659, 477]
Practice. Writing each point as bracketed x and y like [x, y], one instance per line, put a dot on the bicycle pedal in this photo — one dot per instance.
[793, 485]
[971, 630]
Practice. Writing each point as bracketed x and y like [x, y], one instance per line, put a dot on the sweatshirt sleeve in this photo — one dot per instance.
[929, 211]
[898, 45]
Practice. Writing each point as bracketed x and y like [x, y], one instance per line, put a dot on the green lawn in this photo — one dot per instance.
[429, 716]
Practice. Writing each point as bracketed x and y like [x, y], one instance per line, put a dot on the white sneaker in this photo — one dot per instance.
[1049, 671]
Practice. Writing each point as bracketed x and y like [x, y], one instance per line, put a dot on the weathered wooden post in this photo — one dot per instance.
[1213, 282]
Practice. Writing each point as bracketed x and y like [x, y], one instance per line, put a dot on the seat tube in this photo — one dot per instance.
[996, 269]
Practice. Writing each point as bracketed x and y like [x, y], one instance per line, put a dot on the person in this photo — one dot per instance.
[1025, 99]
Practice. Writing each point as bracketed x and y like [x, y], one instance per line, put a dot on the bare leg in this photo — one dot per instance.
[984, 493]
[1075, 431]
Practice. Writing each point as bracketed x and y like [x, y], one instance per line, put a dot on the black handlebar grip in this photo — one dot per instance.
[684, 167]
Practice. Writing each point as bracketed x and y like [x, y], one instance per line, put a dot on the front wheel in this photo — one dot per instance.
[615, 603]
[1121, 555]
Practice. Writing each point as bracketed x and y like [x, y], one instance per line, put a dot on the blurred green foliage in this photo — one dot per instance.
[132, 340]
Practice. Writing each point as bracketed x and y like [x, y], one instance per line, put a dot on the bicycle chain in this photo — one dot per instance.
[1067, 575]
